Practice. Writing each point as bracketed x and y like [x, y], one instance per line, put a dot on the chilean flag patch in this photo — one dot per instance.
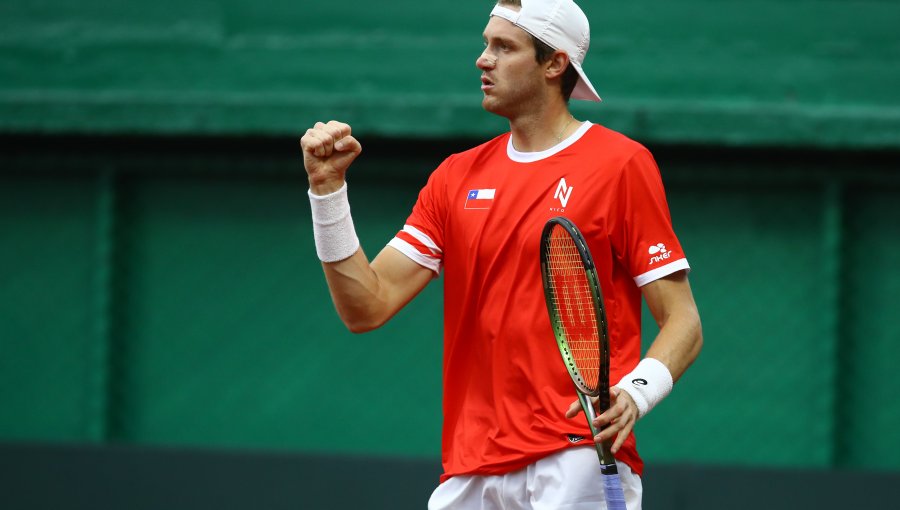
[480, 198]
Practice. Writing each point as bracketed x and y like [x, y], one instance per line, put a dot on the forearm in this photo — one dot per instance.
[680, 336]
[675, 348]
[679, 342]
[672, 352]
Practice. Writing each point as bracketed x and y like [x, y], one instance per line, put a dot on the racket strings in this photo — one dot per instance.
[572, 299]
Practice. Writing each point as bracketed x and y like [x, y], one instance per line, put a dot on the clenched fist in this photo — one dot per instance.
[328, 150]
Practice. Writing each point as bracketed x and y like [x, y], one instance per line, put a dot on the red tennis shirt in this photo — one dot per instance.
[479, 218]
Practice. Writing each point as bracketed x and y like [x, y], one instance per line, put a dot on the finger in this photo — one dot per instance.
[614, 418]
[325, 142]
[336, 130]
[621, 423]
[610, 416]
[625, 427]
[348, 144]
[574, 409]
[311, 139]
[312, 143]
[620, 438]
[614, 393]
[614, 428]
[606, 435]
[617, 406]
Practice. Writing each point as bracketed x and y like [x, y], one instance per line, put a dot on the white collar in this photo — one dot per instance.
[531, 157]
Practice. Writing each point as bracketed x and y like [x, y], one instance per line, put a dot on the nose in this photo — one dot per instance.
[485, 61]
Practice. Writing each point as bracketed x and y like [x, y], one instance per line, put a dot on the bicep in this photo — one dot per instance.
[367, 295]
[400, 278]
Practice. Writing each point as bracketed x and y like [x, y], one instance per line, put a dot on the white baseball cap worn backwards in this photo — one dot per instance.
[561, 25]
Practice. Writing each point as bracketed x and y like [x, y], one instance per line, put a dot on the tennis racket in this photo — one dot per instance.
[576, 311]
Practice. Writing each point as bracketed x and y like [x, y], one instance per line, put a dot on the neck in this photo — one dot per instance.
[540, 130]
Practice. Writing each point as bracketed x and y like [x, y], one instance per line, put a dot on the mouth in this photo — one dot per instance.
[486, 83]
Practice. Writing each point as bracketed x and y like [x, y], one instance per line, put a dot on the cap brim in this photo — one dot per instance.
[584, 89]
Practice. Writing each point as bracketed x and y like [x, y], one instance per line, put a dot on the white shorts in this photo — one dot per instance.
[568, 480]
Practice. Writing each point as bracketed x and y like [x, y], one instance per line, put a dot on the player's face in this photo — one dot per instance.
[511, 78]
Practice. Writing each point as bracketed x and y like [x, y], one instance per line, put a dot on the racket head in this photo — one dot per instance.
[575, 305]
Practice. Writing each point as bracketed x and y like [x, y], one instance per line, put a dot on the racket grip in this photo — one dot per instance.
[612, 488]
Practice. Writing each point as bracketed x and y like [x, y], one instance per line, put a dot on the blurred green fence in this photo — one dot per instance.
[167, 292]
[813, 73]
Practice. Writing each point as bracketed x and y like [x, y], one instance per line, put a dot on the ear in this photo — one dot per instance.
[556, 66]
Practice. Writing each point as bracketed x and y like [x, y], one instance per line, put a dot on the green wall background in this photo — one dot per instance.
[817, 73]
[160, 299]
[159, 285]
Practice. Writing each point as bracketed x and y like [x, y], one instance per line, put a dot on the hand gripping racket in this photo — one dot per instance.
[576, 311]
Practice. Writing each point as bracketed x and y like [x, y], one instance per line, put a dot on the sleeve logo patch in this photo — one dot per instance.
[658, 253]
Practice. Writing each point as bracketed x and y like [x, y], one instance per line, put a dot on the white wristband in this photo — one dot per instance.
[647, 384]
[332, 225]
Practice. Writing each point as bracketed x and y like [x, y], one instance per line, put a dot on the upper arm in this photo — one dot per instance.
[401, 278]
[367, 295]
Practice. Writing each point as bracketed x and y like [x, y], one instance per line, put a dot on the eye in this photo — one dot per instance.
[506, 45]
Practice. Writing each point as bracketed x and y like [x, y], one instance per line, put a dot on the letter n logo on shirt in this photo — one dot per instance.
[563, 192]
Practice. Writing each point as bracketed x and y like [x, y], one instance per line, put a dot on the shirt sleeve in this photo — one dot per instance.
[643, 237]
[422, 237]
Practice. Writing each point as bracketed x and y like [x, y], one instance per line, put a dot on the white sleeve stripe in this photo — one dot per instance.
[659, 272]
[428, 262]
[422, 238]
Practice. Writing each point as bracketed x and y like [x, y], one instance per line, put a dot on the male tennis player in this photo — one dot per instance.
[510, 437]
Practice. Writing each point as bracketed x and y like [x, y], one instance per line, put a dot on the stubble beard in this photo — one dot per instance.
[511, 102]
